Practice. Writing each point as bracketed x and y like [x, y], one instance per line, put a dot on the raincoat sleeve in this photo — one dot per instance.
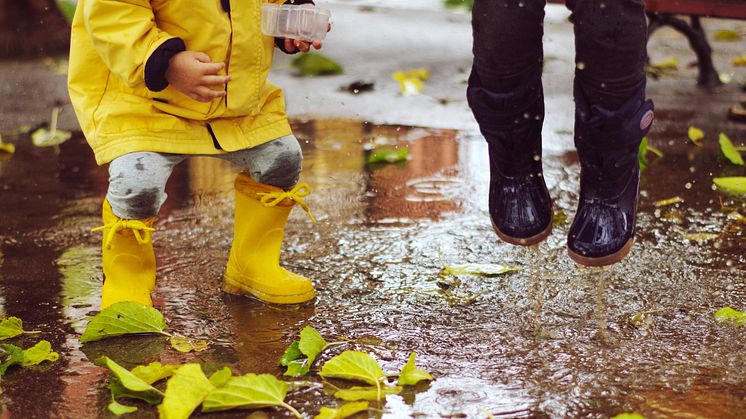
[125, 35]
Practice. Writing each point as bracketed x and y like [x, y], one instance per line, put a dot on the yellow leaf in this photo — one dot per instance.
[696, 135]
[726, 35]
[739, 61]
[701, 237]
[412, 81]
[669, 201]
[670, 63]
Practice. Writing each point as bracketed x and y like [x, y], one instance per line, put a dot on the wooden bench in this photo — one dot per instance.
[666, 12]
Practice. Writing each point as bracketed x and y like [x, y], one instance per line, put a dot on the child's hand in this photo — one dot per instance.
[292, 45]
[193, 73]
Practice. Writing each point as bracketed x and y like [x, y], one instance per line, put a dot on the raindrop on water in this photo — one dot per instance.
[688, 185]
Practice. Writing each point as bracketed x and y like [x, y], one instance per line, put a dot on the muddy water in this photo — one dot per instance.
[552, 340]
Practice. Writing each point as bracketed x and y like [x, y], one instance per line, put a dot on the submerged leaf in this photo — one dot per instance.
[729, 150]
[185, 344]
[11, 327]
[696, 135]
[411, 375]
[342, 412]
[39, 353]
[154, 372]
[389, 156]
[249, 391]
[734, 185]
[729, 315]
[486, 269]
[124, 318]
[727, 35]
[315, 64]
[220, 377]
[185, 391]
[669, 201]
[366, 393]
[123, 383]
[119, 409]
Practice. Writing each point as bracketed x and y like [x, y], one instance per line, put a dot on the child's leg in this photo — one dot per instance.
[265, 194]
[611, 118]
[505, 93]
[136, 193]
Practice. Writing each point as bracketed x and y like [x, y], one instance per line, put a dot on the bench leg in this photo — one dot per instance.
[708, 75]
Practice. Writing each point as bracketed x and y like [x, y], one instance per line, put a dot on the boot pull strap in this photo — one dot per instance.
[300, 191]
[140, 230]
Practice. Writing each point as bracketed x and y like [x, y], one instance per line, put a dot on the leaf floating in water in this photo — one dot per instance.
[342, 412]
[732, 316]
[357, 366]
[249, 391]
[119, 409]
[124, 318]
[412, 81]
[300, 355]
[734, 185]
[39, 353]
[696, 135]
[315, 64]
[726, 35]
[366, 393]
[124, 383]
[389, 156]
[669, 201]
[311, 343]
[729, 150]
[185, 391]
[701, 237]
[411, 375]
[185, 344]
[486, 269]
[52, 137]
[628, 416]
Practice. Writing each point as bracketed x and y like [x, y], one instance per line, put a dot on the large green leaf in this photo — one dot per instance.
[9, 355]
[357, 366]
[123, 383]
[486, 269]
[734, 185]
[411, 375]
[124, 318]
[153, 372]
[119, 409]
[366, 393]
[729, 150]
[249, 391]
[185, 391]
[342, 412]
[315, 64]
[10, 327]
[732, 316]
[39, 353]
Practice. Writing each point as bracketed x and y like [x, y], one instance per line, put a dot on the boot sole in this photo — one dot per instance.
[232, 287]
[604, 260]
[527, 241]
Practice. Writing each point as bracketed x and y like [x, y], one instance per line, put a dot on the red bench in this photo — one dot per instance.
[664, 13]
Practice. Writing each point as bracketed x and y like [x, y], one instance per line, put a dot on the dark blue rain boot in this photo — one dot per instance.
[519, 202]
[607, 143]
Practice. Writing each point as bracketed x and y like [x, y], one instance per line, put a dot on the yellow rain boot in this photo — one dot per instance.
[254, 263]
[128, 259]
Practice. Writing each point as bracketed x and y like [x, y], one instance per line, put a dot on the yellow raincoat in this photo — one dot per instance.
[111, 43]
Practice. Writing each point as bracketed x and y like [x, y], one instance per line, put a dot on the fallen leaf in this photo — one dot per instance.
[732, 316]
[249, 391]
[628, 416]
[220, 377]
[297, 364]
[11, 327]
[669, 201]
[486, 269]
[670, 63]
[727, 35]
[124, 318]
[315, 64]
[696, 135]
[389, 156]
[184, 344]
[701, 237]
[185, 391]
[734, 185]
[311, 343]
[729, 150]
[9, 355]
[357, 366]
[343, 411]
[366, 393]
[739, 61]
[411, 81]
[39, 353]
[124, 383]
[6, 148]
[411, 375]
[154, 372]
[642, 154]
[119, 409]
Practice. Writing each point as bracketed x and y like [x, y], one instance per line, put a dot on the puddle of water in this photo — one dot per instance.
[549, 341]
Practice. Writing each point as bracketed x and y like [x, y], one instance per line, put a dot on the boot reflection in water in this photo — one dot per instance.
[612, 116]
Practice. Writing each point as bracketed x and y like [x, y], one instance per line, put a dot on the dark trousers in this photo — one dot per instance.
[610, 41]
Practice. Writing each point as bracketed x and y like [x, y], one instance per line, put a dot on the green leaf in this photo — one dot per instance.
[220, 377]
[249, 391]
[120, 409]
[411, 375]
[486, 269]
[126, 384]
[185, 344]
[39, 353]
[67, 7]
[344, 411]
[727, 35]
[628, 416]
[311, 343]
[9, 355]
[10, 327]
[315, 64]
[366, 393]
[124, 318]
[468, 4]
[185, 391]
[353, 365]
[734, 185]
[729, 150]
[642, 154]
[729, 315]
[154, 372]
[291, 354]
[389, 156]
[696, 135]
[298, 368]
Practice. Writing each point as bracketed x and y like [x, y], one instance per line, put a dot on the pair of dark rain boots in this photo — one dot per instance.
[607, 143]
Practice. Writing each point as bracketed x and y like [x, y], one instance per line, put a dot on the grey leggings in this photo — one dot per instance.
[137, 181]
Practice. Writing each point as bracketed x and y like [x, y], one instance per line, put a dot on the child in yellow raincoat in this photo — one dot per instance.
[156, 81]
